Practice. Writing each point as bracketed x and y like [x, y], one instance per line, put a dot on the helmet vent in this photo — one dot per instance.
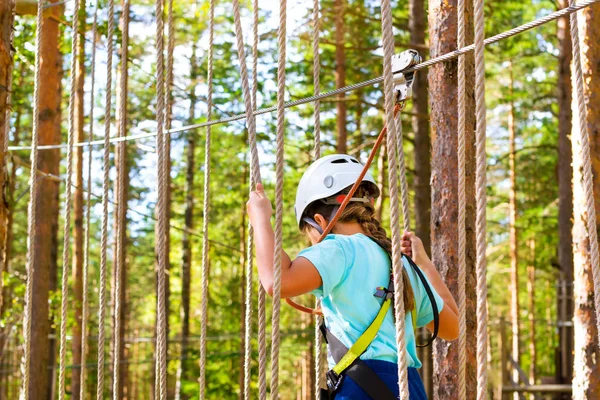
[355, 162]
[340, 161]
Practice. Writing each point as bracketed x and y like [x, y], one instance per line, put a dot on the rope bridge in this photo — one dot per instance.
[398, 191]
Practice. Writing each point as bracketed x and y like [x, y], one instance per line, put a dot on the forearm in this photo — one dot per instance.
[440, 287]
[264, 238]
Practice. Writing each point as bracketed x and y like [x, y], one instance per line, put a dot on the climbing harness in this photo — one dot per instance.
[348, 362]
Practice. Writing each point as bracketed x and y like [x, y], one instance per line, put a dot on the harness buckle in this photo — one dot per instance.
[403, 81]
[383, 293]
[333, 380]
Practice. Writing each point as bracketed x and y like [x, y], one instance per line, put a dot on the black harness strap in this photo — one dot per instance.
[359, 372]
[434, 307]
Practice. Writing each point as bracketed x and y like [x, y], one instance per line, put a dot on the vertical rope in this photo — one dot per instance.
[254, 178]
[317, 105]
[317, 155]
[86, 244]
[67, 209]
[32, 212]
[481, 202]
[205, 248]
[161, 206]
[262, 296]
[388, 51]
[121, 200]
[281, 35]
[105, 191]
[402, 173]
[582, 135]
[462, 201]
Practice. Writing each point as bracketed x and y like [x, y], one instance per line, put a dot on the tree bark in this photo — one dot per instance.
[565, 195]
[420, 125]
[45, 240]
[444, 187]
[77, 272]
[340, 76]
[186, 243]
[6, 63]
[122, 195]
[422, 164]
[512, 227]
[586, 381]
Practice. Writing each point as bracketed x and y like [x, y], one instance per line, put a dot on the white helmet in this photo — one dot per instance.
[326, 177]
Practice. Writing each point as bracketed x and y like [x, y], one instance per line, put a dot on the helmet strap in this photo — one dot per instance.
[313, 223]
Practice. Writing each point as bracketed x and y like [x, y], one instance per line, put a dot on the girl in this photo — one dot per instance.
[346, 267]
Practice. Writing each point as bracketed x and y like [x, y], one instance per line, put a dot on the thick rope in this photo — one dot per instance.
[582, 135]
[121, 200]
[32, 212]
[480, 195]
[254, 178]
[317, 105]
[426, 64]
[67, 208]
[262, 295]
[402, 174]
[161, 207]
[86, 244]
[317, 155]
[388, 81]
[105, 192]
[205, 248]
[462, 201]
[281, 35]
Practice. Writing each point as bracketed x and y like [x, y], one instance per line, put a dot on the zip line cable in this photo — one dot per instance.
[446, 57]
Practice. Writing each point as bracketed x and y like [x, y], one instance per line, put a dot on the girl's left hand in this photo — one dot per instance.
[259, 205]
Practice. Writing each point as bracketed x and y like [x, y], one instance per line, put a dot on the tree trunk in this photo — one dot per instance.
[422, 164]
[512, 224]
[531, 295]
[45, 240]
[444, 185]
[586, 381]
[565, 195]
[186, 242]
[6, 62]
[420, 125]
[121, 196]
[340, 76]
[77, 271]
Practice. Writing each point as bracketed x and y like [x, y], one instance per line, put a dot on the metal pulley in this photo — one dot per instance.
[403, 81]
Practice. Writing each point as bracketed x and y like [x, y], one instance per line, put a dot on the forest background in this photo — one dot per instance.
[530, 197]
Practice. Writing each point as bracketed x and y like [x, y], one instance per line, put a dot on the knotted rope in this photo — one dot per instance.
[67, 209]
[388, 81]
[205, 248]
[480, 187]
[32, 211]
[105, 200]
[86, 244]
[582, 136]
[462, 201]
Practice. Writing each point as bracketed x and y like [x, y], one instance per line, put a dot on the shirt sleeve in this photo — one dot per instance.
[422, 301]
[329, 259]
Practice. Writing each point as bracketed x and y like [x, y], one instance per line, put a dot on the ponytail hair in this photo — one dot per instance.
[364, 214]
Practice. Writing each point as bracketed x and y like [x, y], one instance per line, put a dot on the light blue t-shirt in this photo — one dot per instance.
[351, 267]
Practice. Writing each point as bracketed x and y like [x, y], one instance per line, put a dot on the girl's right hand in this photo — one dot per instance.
[412, 246]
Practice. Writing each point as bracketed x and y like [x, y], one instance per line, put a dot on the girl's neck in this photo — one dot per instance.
[348, 228]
